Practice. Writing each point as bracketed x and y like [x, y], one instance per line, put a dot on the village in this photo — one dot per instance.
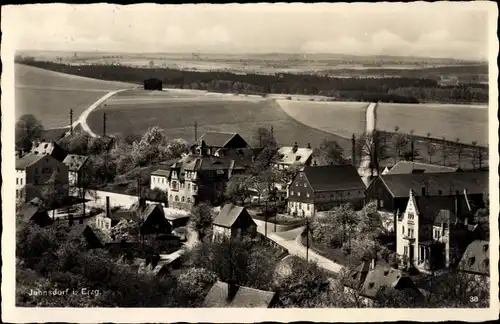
[223, 213]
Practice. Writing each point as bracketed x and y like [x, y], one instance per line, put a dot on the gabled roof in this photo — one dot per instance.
[245, 297]
[217, 139]
[28, 211]
[286, 155]
[27, 160]
[193, 162]
[380, 277]
[399, 185]
[228, 215]
[75, 162]
[476, 258]
[144, 211]
[333, 177]
[408, 167]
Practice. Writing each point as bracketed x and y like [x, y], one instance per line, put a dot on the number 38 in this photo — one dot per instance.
[473, 299]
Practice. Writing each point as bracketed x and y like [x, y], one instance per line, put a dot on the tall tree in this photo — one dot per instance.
[375, 147]
[28, 129]
[200, 220]
[431, 149]
[399, 144]
[460, 151]
[329, 153]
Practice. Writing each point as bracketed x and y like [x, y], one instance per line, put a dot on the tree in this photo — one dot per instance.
[431, 149]
[195, 284]
[444, 151]
[329, 153]
[200, 220]
[459, 149]
[28, 129]
[345, 218]
[302, 285]
[238, 188]
[399, 143]
[264, 137]
[373, 145]
[158, 195]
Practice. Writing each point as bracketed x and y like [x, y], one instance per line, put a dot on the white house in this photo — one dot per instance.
[159, 179]
[75, 164]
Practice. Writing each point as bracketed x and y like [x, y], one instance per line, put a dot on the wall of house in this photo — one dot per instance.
[102, 222]
[160, 182]
[220, 232]
[408, 227]
[39, 174]
[181, 194]
[20, 183]
[377, 191]
[300, 197]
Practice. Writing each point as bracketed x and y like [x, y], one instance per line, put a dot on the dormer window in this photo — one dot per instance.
[297, 158]
[472, 260]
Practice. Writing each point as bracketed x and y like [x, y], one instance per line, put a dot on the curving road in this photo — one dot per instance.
[82, 119]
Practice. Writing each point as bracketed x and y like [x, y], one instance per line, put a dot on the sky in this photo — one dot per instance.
[412, 29]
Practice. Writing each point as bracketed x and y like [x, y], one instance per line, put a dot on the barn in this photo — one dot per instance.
[153, 84]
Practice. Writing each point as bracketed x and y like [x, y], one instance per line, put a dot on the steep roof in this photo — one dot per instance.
[27, 160]
[193, 162]
[75, 162]
[217, 139]
[333, 177]
[245, 297]
[408, 167]
[380, 277]
[228, 215]
[144, 211]
[28, 211]
[476, 258]
[286, 155]
[400, 184]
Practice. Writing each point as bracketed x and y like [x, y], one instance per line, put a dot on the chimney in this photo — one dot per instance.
[295, 147]
[108, 214]
[232, 289]
[423, 191]
[142, 202]
[309, 145]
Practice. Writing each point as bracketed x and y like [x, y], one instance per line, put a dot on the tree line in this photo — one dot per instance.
[386, 89]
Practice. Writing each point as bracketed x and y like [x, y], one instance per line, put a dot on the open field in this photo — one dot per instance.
[340, 118]
[50, 95]
[468, 122]
[134, 114]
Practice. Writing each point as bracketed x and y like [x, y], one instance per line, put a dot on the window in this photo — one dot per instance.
[176, 198]
[170, 198]
[411, 215]
[305, 185]
[21, 181]
[307, 206]
[17, 181]
[298, 193]
[182, 199]
[381, 203]
[194, 187]
[291, 193]
[189, 186]
[296, 184]
[36, 170]
[403, 230]
[410, 233]
[189, 200]
[406, 250]
[292, 204]
[17, 193]
[174, 185]
[307, 194]
[300, 205]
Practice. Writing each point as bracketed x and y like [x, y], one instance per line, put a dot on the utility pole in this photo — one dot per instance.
[195, 131]
[353, 150]
[104, 124]
[71, 121]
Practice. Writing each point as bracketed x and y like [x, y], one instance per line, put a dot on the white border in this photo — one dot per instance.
[140, 315]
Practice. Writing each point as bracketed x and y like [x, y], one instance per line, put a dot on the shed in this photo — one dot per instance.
[153, 84]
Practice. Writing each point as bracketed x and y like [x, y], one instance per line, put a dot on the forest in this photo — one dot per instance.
[384, 89]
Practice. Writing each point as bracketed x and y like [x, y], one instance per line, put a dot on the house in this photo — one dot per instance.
[231, 295]
[293, 155]
[233, 221]
[153, 84]
[408, 167]
[391, 191]
[177, 220]
[476, 259]
[76, 164]
[197, 178]
[34, 172]
[214, 143]
[83, 229]
[101, 221]
[433, 232]
[320, 188]
[159, 179]
[34, 214]
[48, 148]
[150, 217]
[368, 279]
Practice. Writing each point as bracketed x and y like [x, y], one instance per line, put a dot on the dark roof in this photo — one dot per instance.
[333, 177]
[27, 160]
[217, 139]
[445, 216]
[400, 184]
[193, 162]
[380, 277]
[245, 297]
[476, 258]
[161, 172]
[228, 215]
[144, 211]
[28, 211]
[75, 162]
[408, 167]
[121, 214]
[430, 207]
[54, 134]
[84, 227]
[242, 156]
